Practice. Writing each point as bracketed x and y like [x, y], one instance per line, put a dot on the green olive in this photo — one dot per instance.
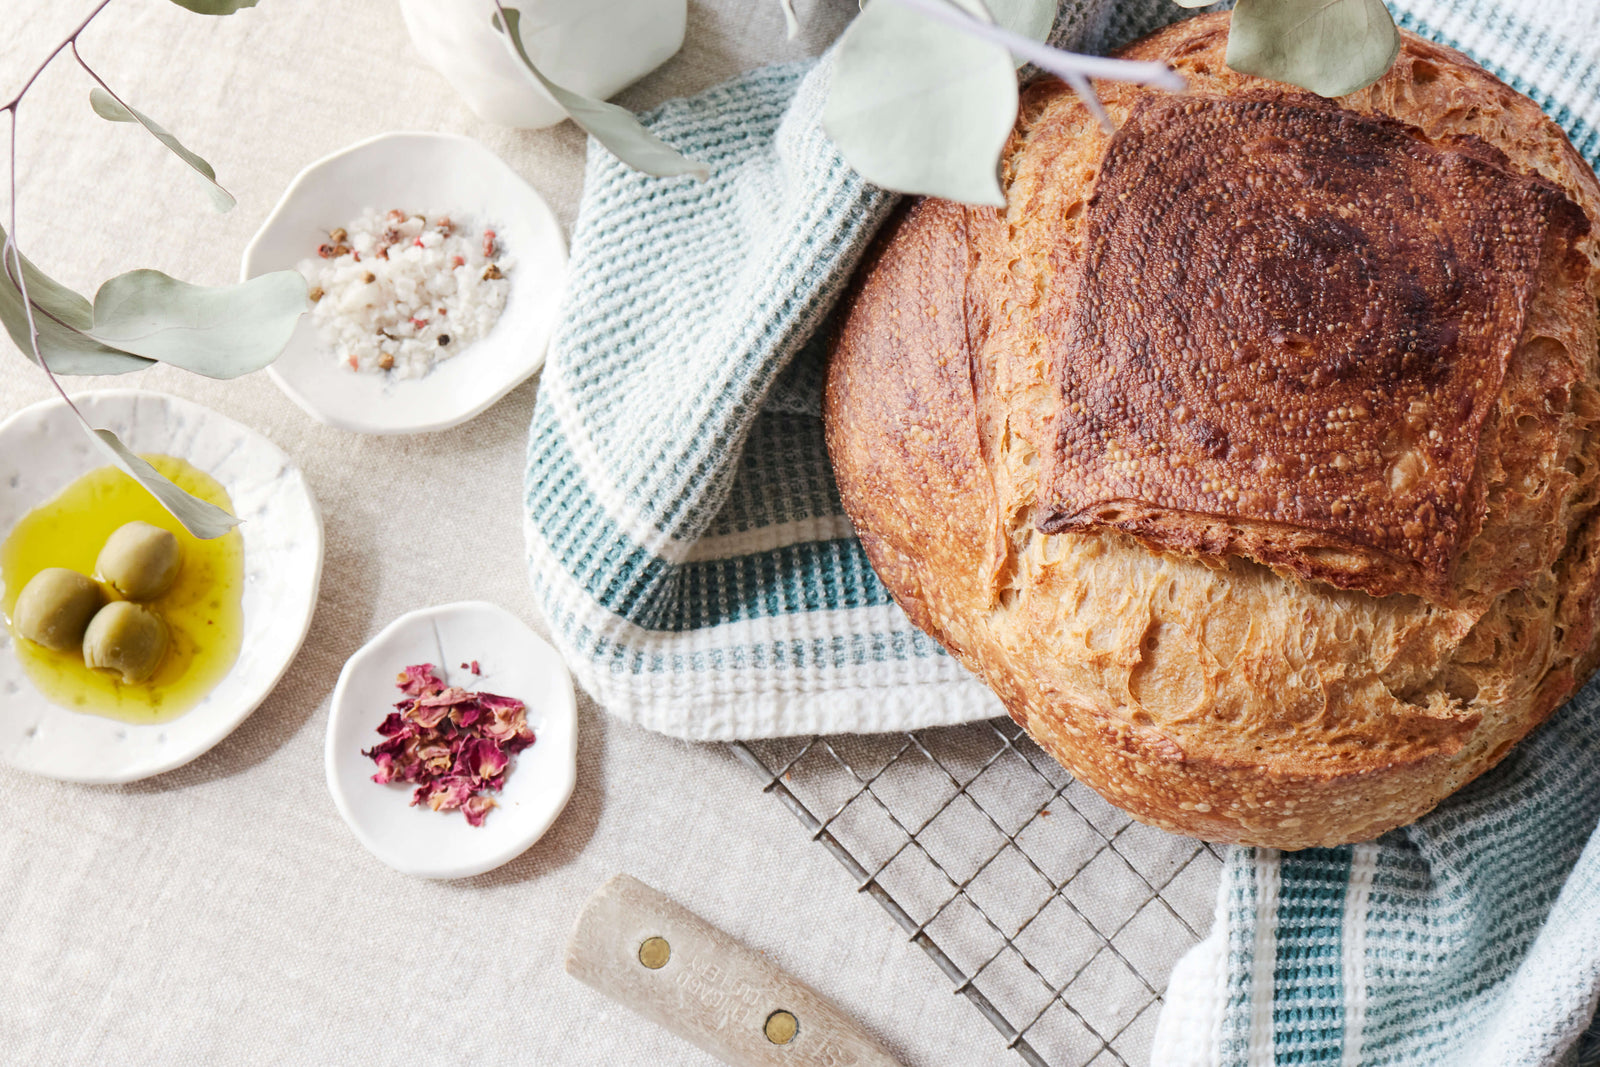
[125, 639]
[140, 561]
[55, 607]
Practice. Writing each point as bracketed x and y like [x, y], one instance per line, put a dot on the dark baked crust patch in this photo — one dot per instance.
[1292, 322]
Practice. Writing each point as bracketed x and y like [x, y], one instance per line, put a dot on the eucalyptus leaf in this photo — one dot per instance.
[1194, 3]
[203, 519]
[143, 316]
[110, 108]
[1331, 47]
[1031, 18]
[920, 107]
[214, 7]
[62, 319]
[790, 19]
[220, 332]
[612, 126]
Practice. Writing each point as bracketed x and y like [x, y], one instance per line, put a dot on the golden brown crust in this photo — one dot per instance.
[1292, 323]
[1211, 694]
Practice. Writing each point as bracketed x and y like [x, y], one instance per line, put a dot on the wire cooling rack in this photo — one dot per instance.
[1055, 914]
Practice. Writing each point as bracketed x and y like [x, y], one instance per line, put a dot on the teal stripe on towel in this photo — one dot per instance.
[1308, 997]
[656, 595]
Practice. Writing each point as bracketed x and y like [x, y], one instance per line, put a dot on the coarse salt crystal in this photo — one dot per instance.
[427, 298]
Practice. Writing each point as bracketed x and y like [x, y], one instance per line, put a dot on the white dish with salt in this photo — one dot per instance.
[436, 176]
[396, 292]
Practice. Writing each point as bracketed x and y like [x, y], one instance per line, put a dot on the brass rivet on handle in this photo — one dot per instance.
[655, 952]
[781, 1027]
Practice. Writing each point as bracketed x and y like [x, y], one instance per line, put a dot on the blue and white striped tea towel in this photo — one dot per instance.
[688, 547]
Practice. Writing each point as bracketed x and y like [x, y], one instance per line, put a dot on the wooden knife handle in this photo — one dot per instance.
[653, 955]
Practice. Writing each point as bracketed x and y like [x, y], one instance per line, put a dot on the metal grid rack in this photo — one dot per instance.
[1055, 914]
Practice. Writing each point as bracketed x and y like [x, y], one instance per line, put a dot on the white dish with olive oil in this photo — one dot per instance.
[276, 559]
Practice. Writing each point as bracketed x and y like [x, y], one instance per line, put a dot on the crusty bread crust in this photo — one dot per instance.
[1290, 324]
[1207, 692]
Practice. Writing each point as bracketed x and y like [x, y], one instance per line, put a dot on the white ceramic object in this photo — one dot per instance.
[515, 662]
[427, 172]
[593, 47]
[42, 450]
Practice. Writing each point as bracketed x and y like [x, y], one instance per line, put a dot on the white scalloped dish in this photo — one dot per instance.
[424, 172]
[514, 662]
[42, 450]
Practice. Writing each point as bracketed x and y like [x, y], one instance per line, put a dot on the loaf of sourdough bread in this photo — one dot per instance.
[1250, 454]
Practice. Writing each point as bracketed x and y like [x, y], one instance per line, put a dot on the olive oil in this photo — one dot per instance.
[203, 609]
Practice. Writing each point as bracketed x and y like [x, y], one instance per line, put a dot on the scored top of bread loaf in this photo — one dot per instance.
[1292, 322]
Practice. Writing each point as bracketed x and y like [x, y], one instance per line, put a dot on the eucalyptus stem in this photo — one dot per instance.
[98, 80]
[1070, 67]
[11, 252]
[72, 39]
[1091, 100]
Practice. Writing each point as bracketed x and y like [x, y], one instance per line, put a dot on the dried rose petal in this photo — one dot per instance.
[396, 726]
[455, 746]
[447, 698]
[386, 768]
[484, 758]
[447, 794]
[477, 807]
[427, 717]
[418, 680]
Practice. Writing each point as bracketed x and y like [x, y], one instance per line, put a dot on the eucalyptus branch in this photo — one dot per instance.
[10, 253]
[1070, 67]
[923, 95]
[72, 39]
[141, 317]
